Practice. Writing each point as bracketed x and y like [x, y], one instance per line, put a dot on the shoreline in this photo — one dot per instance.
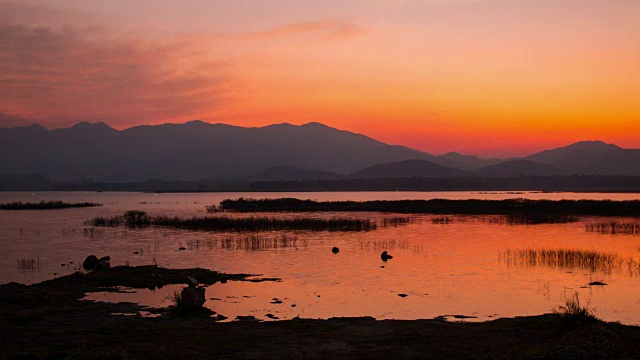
[49, 320]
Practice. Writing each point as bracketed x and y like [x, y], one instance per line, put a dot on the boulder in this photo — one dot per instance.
[90, 262]
[193, 296]
[102, 266]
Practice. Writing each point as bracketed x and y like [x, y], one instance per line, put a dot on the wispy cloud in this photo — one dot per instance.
[70, 73]
[325, 30]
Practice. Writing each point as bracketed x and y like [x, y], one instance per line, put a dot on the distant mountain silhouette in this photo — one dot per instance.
[194, 150]
[408, 168]
[276, 173]
[464, 162]
[591, 158]
[224, 153]
[514, 168]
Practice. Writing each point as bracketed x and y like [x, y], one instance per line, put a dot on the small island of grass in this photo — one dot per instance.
[45, 205]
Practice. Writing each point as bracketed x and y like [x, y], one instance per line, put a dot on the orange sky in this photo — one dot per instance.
[492, 77]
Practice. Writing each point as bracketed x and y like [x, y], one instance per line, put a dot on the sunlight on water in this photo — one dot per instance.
[472, 266]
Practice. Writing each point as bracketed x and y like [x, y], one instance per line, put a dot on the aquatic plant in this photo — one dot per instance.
[222, 223]
[133, 218]
[442, 220]
[44, 205]
[614, 227]
[573, 313]
[25, 264]
[533, 219]
[443, 206]
[398, 221]
[563, 258]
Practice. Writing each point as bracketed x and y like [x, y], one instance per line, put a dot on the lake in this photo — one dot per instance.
[470, 267]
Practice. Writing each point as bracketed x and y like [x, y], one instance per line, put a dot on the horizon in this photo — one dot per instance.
[492, 78]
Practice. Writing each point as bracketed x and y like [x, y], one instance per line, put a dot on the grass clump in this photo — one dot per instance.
[44, 205]
[573, 314]
[563, 258]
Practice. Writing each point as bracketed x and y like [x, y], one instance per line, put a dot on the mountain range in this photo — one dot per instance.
[197, 150]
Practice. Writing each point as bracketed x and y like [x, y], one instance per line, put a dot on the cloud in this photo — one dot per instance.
[327, 30]
[63, 74]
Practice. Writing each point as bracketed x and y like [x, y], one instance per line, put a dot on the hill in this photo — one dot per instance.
[515, 168]
[408, 168]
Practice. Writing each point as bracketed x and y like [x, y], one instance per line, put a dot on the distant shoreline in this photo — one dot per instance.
[576, 183]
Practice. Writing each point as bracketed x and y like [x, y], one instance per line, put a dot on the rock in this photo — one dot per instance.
[102, 266]
[136, 252]
[106, 258]
[384, 256]
[90, 262]
[192, 281]
[182, 248]
[335, 250]
[193, 296]
[403, 295]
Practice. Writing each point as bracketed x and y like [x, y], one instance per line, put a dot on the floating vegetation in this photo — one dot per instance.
[136, 218]
[45, 205]
[614, 227]
[443, 206]
[28, 264]
[534, 219]
[563, 258]
[442, 220]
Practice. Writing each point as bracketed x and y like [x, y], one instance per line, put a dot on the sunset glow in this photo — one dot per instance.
[485, 77]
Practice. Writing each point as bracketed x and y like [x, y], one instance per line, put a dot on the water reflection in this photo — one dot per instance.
[455, 267]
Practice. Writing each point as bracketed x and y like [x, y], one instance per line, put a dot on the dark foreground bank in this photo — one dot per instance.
[49, 321]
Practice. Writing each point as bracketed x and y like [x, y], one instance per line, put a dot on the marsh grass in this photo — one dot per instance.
[385, 245]
[535, 219]
[247, 242]
[573, 314]
[25, 264]
[614, 228]
[44, 205]
[442, 220]
[398, 221]
[528, 207]
[136, 218]
[563, 258]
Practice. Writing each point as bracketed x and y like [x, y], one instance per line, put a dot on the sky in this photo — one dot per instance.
[485, 77]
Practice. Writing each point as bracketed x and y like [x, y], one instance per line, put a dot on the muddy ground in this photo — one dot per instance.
[49, 321]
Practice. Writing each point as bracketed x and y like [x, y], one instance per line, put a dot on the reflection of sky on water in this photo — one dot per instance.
[445, 269]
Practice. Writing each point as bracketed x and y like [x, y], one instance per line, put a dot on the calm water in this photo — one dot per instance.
[452, 269]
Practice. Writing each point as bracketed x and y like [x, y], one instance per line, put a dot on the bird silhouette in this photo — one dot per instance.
[384, 256]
